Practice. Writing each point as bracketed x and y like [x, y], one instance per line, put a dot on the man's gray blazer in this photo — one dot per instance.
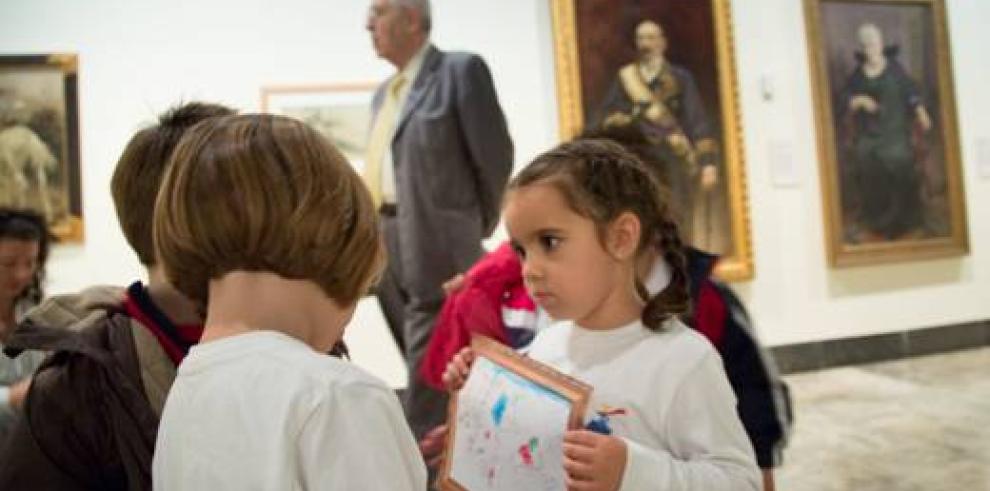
[452, 156]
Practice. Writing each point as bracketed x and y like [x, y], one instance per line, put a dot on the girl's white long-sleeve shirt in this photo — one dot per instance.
[666, 394]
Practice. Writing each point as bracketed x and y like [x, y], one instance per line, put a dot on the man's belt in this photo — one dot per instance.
[388, 209]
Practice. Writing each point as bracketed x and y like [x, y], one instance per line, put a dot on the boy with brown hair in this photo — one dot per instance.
[280, 258]
[91, 415]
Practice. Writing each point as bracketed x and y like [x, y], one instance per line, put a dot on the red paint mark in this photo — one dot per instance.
[491, 475]
[488, 434]
[526, 454]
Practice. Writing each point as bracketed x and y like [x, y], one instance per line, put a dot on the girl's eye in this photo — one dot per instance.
[520, 252]
[549, 242]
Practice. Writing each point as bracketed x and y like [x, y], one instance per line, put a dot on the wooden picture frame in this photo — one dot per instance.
[485, 438]
[39, 140]
[341, 112]
[594, 43]
[892, 186]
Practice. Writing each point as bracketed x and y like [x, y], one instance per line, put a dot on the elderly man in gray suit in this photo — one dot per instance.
[438, 160]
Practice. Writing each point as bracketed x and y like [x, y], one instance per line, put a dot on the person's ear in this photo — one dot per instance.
[411, 19]
[623, 236]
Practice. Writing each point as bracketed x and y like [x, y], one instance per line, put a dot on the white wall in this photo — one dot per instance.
[137, 58]
[795, 297]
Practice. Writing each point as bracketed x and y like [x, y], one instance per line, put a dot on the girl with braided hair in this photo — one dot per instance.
[582, 219]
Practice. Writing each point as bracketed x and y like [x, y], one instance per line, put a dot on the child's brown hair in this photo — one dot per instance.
[139, 172]
[600, 180]
[265, 193]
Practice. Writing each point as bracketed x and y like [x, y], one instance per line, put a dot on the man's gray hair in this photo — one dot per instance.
[421, 6]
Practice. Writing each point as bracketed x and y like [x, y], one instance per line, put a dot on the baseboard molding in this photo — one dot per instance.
[802, 357]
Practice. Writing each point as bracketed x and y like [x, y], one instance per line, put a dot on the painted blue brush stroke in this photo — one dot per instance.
[498, 410]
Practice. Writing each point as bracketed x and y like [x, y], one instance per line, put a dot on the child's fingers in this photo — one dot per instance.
[578, 470]
[573, 483]
[432, 443]
[449, 377]
[439, 432]
[435, 462]
[463, 361]
[465, 356]
[582, 438]
[458, 369]
[453, 285]
[457, 374]
[452, 379]
[579, 453]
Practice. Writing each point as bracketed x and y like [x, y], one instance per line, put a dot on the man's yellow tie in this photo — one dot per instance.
[381, 138]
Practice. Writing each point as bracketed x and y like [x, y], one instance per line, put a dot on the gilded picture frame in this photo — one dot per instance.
[596, 40]
[39, 140]
[888, 144]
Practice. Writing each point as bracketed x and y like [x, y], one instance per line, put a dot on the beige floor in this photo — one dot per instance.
[916, 424]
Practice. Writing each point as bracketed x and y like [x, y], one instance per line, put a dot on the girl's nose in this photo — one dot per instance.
[531, 270]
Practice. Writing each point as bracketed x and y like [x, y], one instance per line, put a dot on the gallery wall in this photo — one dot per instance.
[138, 58]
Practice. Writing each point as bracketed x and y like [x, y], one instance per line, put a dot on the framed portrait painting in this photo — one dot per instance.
[341, 112]
[507, 424]
[663, 71]
[887, 136]
[39, 140]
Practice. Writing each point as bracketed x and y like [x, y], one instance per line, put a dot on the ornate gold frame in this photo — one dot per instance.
[69, 230]
[739, 266]
[841, 254]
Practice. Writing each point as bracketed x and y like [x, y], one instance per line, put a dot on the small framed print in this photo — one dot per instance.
[507, 423]
[341, 112]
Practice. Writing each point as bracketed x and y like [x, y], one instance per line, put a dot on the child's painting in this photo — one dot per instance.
[508, 423]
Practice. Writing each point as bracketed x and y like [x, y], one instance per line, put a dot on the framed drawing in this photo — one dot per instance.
[341, 112]
[665, 67]
[39, 140]
[887, 138]
[507, 424]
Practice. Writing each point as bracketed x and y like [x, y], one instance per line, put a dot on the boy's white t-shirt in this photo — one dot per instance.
[264, 411]
[666, 394]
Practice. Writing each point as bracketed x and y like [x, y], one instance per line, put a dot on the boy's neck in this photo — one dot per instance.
[245, 301]
[177, 307]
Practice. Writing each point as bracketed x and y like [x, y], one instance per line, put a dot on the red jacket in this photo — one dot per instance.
[492, 285]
